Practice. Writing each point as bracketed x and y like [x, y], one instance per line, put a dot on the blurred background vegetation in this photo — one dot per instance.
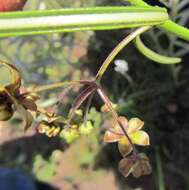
[156, 93]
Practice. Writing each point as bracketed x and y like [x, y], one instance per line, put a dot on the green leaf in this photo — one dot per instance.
[153, 55]
[78, 19]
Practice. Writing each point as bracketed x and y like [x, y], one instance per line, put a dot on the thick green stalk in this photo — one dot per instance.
[69, 20]
[169, 25]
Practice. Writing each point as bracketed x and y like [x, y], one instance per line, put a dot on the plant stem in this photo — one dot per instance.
[88, 107]
[160, 172]
[168, 25]
[79, 19]
[53, 86]
[117, 49]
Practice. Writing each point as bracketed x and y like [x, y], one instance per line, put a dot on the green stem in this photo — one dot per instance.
[161, 183]
[176, 29]
[117, 49]
[53, 86]
[169, 25]
[70, 20]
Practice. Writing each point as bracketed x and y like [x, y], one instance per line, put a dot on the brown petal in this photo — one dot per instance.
[27, 117]
[29, 104]
[115, 127]
[125, 166]
[110, 137]
[142, 166]
[124, 147]
[124, 122]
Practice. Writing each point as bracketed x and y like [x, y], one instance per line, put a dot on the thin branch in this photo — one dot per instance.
[117, 49]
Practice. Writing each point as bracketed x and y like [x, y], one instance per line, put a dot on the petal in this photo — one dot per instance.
[125, 166]
[27, 116]
[16, 77]
[43, 127]
[116, 127]
[141, 168]
[124, 122]
[50, 132]
[135, 124]
[124, 147]
[110, 137]
[29, 104]
[140, 138]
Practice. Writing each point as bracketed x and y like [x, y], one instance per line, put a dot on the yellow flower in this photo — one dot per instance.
[133, 128]
[50, 129]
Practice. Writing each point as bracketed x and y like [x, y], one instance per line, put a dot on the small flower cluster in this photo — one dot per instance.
[54, 126]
